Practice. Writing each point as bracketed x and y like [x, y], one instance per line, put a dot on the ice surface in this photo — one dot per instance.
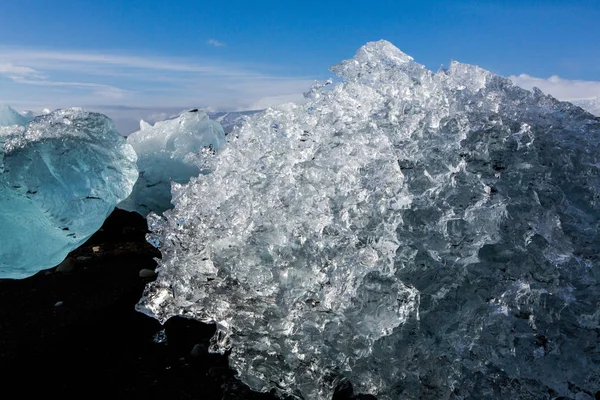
[60, 177]
[170, 150]
[9, 117]
[424, 235]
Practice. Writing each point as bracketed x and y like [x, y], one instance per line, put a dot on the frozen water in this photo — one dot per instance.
[170, 150]
[9, 117]
[60, 177]
[424, 235]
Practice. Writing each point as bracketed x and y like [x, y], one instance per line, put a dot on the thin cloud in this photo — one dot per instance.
[562, 89]
[35, 79]
[16, 70]
[90, 62]
[214, 42]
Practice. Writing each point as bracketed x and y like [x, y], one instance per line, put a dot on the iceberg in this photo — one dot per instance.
[419, 234]
[61, 175]
[169, 151]
[8, 116]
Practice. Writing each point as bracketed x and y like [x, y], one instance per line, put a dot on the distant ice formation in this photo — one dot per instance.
[424, 235]
[591, 105]
[171, 150]
[232, 119]
[61, 175]
[9, 117]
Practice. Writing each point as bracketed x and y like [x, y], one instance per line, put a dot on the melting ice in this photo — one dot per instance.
[424, 235]
[61, 175]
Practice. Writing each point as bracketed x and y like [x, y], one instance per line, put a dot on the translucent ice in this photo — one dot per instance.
[9, 117]
[60, 177]
[169, 151]
[424, 235]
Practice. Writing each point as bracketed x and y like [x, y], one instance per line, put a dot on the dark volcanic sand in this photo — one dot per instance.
[94, 344]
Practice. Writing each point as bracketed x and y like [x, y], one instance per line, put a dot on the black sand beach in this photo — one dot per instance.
[73, 330]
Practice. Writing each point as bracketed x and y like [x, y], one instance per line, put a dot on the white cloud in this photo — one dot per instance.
[562, 89]
[214, 42]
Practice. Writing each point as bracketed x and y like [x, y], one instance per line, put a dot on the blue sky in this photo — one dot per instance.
[150, 58]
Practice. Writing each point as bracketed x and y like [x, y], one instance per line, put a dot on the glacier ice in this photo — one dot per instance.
[171, 150]
[8, 116]
[424, 235]
[61, 175]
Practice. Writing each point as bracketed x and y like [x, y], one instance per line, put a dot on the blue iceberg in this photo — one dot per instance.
[172, 150]
[61, 175]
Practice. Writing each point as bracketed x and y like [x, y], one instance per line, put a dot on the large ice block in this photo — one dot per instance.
[424, 235]
[61, 175]
[170, 151]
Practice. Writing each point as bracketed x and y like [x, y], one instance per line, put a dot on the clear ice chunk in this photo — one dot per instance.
[424, 235]
[170, 151]
[61, 175]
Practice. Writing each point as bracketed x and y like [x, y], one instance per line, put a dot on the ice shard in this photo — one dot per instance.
[61, 175]
[170, 151]
[423, 235]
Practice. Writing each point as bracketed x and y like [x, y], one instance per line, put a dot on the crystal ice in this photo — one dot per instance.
[170, 151]
[61, 175]
[424, 235]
